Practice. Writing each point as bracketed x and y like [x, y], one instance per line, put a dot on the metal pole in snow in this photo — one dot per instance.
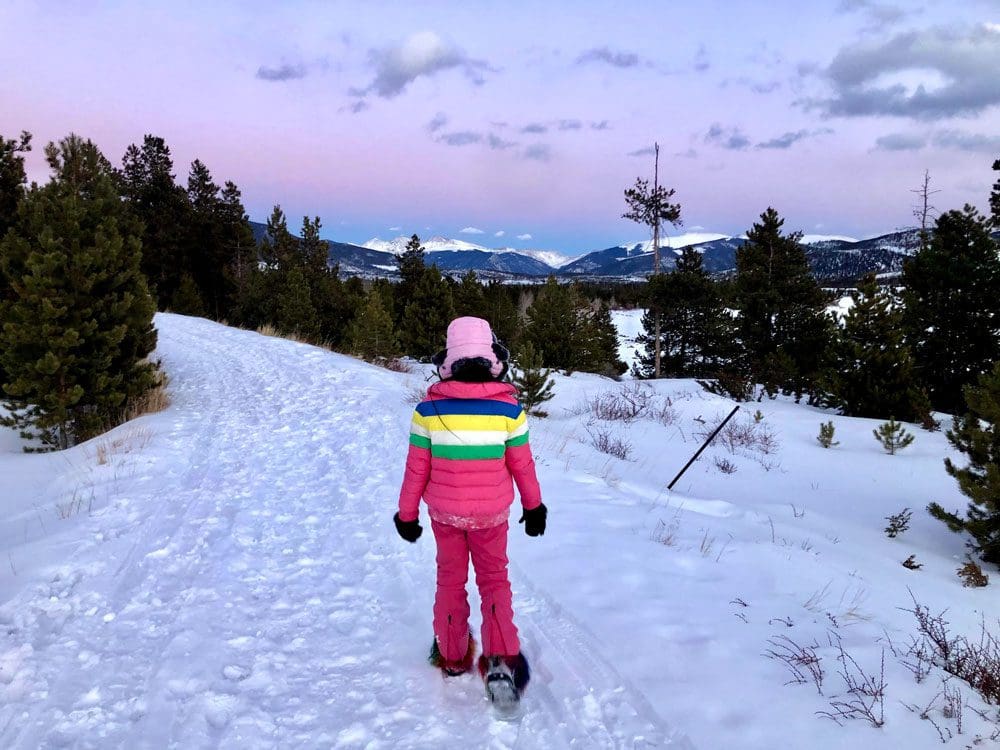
[703, 447]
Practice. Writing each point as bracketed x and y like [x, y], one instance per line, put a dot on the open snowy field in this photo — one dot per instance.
[226, 574]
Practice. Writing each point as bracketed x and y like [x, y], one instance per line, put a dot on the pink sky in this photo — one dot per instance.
[434, 117]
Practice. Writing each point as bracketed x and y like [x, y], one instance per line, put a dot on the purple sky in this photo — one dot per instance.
[438, 117]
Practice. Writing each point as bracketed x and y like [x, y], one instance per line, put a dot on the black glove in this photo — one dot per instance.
[410, 530]
[534, 520]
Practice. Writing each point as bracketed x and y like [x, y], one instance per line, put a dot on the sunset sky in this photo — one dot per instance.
[521, 123]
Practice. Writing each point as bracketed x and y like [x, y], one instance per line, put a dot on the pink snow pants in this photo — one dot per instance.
[488, 549]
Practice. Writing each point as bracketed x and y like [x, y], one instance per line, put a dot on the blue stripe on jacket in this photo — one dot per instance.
[481, 406]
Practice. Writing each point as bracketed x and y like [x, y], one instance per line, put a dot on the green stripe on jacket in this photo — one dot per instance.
[419, 440]
[468, 452]
[519, 440]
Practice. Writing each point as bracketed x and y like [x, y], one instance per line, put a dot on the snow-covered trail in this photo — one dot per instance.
[247, 588]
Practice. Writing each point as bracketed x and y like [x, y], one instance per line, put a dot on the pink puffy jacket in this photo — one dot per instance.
[468, 446]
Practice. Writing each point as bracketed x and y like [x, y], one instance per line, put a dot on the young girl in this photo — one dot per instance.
[468, 446]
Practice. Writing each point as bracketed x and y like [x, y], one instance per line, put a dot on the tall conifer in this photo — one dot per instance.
[78, 327]
[951, 292]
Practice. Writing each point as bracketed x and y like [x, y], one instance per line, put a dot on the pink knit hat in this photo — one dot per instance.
[469, 338]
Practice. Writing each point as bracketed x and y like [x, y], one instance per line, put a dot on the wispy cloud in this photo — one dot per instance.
[438, 122]
[602, 125]
[732, 139]
[286, 72]
[880, 15]
[460, 138]
[978, 142]
[789, 139]
[497, 143]
[472, 230]
[535, 127]
[524, 236]
[701, 62]
[570, 125]
[499, 233]
[648, 151]
[609, 57]
[964, 63]
[900, 142]
[538, 152]
[756, 86]
[395, 229]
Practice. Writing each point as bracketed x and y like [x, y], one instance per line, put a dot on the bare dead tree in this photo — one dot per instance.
[923, 211]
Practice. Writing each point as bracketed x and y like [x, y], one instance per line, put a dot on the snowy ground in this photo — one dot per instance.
[226, 574]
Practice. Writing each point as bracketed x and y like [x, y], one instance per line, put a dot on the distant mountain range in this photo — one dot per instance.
[834, 260]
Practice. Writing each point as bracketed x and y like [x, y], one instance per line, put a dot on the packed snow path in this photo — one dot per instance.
[246, 588]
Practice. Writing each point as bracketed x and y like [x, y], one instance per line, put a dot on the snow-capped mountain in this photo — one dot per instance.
[835, 259]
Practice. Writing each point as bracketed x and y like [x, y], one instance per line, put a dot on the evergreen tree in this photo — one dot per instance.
[532, 381]
[951, 292]
[314, 250]
[187, 299]
[598, 348]
[426, 318]
[147, 184]
[238, 247]
[12, 179]
[872, 373]
[784, 331]
[977, 435]
[695, 329]
[995, 198]
[279, 250]
[469, 297]
[371, 333]
[78, 327]
[411, 273]
[296, 313]
[206, 247]
[501, 312]
[554, 325]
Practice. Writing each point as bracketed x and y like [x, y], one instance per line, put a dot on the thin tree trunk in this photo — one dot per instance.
[656, 252]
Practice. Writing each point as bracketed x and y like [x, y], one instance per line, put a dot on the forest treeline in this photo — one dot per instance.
[89, 256]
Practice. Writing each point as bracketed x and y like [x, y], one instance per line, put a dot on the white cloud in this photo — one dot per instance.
[472, 230]
[422, 54]
[395, 229]
[501, 233]
[524, 236]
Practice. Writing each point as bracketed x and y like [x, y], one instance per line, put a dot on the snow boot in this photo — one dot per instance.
[452, 668]
[506, 677]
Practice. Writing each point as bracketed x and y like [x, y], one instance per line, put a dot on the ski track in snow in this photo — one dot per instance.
[260, 597]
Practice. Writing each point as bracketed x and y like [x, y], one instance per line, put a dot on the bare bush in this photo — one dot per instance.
[865, 697]
[978, 663]
[623, 405]
[724, 465]
[664, 412]
[607, 442]
[666, 533]
[803, 662]
[415, 394]
[393, 363]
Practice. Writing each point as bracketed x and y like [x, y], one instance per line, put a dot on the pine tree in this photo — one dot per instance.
[12, 179]
[532, 381]
[187, 299]
[950, 299]
[977, 435]
[314, 250]
[78, 328]
[206, 246]
[371, 333]
[784, 331]
[425, 321]
[238, 248]
[872, 373]
[296, 313]
[554, 325]
[502, 314]
[995, 198]
[469, 298]
[652, 207]
[893, 436]
[695, 329]
[411, 271]
[598, 347]
[147, 183]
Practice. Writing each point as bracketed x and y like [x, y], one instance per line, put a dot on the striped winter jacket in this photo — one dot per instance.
[468, 445]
